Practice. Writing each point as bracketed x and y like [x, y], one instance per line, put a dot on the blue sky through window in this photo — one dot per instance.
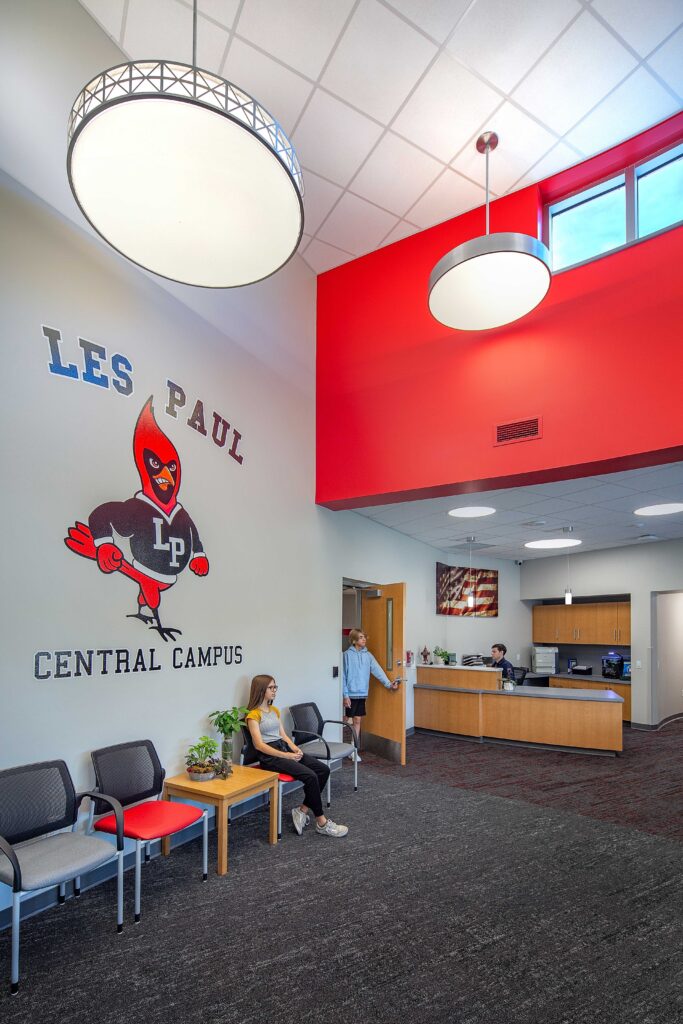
[660, 197]
[589, 229]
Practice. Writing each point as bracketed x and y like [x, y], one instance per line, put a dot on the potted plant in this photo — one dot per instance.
[200, 760]
[227, 723]
[440, 656]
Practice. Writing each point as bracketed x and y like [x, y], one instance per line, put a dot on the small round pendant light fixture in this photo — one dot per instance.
[184, 173]
[492, 280]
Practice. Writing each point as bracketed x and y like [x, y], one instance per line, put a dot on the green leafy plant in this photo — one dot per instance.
[201, 757]
[227, 722]
[440, 653]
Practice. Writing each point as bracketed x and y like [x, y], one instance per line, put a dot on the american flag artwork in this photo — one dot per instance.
[454, 584]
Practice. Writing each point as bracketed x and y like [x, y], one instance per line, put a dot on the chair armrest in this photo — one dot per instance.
[307, 732]
[346, 725]
[116, 807]
[12, 858]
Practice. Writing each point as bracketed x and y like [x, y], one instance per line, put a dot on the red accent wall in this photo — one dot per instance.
[406, 408]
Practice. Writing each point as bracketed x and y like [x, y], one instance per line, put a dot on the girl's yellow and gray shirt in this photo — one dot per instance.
[269, 723]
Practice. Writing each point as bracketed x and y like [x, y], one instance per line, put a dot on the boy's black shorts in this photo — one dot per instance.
[357, 709]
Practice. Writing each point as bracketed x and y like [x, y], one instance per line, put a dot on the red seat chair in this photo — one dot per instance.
[249, 757]
[132, 773]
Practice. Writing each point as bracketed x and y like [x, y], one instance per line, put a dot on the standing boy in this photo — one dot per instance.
[358, 665]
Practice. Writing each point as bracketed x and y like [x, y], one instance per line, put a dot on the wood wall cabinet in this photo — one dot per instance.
[602, 622]
[623, 689]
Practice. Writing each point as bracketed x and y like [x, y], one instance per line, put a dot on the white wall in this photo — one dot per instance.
[641, 571]
[669, 674]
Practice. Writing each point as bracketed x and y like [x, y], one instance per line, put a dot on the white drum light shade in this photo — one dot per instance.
[669, 509]
[552, 543]
[489, 281]
[185, 174]
[471, 511]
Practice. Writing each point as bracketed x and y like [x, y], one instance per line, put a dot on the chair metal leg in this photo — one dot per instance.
[16, 905]
[119, 891]
[148, 852]
[355, 770]
[62, 893]
[205, 847]
[77, 886]
[138, 872]
[328, 789]
[280, 789]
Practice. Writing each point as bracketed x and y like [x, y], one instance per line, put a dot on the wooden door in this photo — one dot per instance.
[623, 623]
[544, 623]
[606, 614]
[383, 622]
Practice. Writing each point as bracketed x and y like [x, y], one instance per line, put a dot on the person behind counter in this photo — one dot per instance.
[498, 652]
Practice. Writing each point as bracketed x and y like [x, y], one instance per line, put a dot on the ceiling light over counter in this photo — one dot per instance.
[185, 174]
[491, 280]
[553, 542]
[659, 510]
[471, 511]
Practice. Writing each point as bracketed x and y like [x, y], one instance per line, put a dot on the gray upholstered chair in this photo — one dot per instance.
[309, 726]
[37, 803]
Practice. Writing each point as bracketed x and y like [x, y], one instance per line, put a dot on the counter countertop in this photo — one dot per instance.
[546, 692]
[589, 679]
[465, 668]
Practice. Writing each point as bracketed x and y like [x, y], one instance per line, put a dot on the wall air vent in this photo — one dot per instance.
[521, 430]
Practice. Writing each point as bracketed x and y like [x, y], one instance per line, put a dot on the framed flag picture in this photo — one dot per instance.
[464, 591]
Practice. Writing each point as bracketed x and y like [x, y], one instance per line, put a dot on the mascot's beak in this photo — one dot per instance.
[164, 479]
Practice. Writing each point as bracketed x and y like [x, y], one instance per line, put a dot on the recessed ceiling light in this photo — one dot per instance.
[471, 511]
[659, 510]
[552, 542]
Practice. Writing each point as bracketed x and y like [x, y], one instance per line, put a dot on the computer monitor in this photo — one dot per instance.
[627, 669]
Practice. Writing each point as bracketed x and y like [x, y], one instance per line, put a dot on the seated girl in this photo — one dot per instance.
[278, 753]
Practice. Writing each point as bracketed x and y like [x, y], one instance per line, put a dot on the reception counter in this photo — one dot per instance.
[552, 716]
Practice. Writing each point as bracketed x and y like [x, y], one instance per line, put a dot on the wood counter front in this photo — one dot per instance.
[460, 677]
[586, 720]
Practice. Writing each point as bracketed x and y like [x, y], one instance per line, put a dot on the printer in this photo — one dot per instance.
[545, 661]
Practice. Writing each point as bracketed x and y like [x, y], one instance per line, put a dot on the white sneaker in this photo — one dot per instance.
[358, 757]
[330, 828]
[300, 819]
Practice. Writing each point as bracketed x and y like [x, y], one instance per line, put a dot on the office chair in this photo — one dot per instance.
[520, 675]
[308, 731]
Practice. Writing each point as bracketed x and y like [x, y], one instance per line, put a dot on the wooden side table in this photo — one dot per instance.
[221, 794]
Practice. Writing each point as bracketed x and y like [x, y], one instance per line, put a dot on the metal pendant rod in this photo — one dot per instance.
[194, 43]
[485, 143]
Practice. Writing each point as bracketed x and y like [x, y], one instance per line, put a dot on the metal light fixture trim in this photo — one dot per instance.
[491, 280]
[185, 174]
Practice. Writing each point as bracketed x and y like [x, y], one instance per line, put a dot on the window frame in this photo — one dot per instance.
[629, 176]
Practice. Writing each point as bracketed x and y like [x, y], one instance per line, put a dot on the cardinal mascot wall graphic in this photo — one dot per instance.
[163, 539]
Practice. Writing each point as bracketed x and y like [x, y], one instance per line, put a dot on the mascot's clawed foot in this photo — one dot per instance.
[165, 632]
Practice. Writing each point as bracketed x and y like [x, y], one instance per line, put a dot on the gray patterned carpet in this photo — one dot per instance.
[442, 905]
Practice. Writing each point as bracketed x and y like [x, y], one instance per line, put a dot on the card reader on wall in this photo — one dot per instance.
[582, 670]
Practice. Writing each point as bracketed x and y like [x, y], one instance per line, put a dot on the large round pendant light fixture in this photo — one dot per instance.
[491, 280]
[185, 174]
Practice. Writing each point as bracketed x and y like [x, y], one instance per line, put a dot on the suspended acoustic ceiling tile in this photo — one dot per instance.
[449, 196]
[222, 11]
[641, 27]
[638, 101]
[402, 230]
[560, 157]
[448, 106]
[521, 143]
[301, 33]
[667, 62]
[356, 225]
[332, 139]
[436, 18]
[395, 174]
[109, 14]
[576, 73]
[321, 257]
[282, 92]
[142, 38]
[502, 40]
[378, 61]
[319, 198]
